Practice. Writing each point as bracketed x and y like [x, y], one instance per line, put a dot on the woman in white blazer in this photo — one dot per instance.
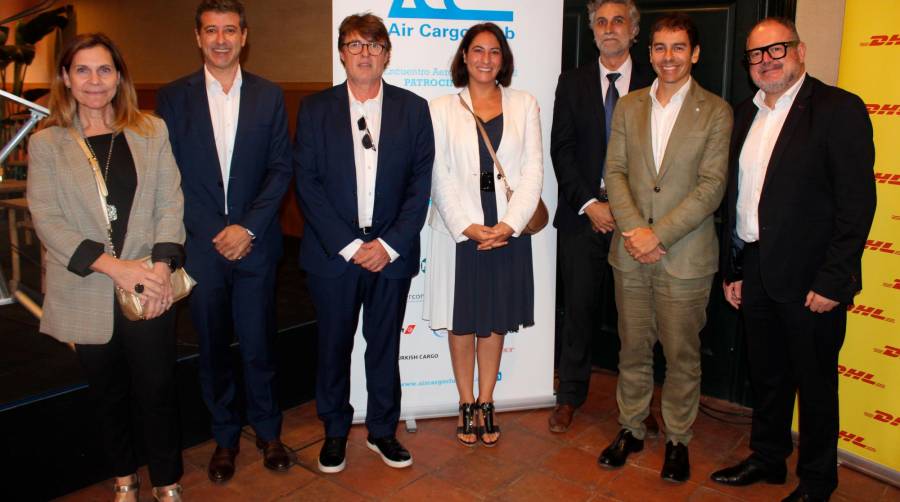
[480, 284]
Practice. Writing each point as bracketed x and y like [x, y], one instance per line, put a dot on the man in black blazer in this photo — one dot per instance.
[581, 112]
[363, 155]
[800, 202]
[229, 135]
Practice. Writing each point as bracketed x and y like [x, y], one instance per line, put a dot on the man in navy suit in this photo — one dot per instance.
[229, 134]
[363, 156]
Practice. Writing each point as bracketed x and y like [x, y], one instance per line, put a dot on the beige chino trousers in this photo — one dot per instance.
[654, 305]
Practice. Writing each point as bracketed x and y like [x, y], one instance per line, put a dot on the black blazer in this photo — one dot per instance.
[577, 138]
[818, 197]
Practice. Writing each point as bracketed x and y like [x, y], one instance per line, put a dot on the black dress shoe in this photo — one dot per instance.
[333, 456]
[275, 456]
[800, 495]
[676, 468]
[748, 472]
[616, 453]
[221, 465]
[392, 452]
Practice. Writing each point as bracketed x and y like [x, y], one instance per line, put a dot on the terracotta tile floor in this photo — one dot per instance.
[530, 463]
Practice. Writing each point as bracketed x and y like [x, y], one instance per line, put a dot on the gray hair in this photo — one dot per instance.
[633, 12]
[783, 21]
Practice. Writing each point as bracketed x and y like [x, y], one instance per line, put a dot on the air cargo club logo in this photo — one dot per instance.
[446, 9]
[879, 40]
[855, 440]
[884, 417]
[882, 109]
[867, 311]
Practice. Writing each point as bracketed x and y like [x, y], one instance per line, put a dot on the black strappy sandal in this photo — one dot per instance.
[487, 417]
[467, 412]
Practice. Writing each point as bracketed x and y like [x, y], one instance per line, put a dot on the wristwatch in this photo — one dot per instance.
[251, 234]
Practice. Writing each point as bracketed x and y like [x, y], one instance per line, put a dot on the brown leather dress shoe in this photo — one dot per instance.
[275, 456]
[561, 417]
[221, 465]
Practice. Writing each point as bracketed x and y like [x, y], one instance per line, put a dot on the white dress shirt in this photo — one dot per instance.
[622, 84]
[662, 119]
[755, 155]
[366, 160]
[224, 109]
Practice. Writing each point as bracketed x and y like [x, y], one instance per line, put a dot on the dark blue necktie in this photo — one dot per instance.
[609, 104]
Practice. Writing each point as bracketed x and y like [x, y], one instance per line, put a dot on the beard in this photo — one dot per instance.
[775, 86]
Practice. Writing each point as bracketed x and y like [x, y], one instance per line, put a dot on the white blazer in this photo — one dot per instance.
[455, 182]
[456, 187]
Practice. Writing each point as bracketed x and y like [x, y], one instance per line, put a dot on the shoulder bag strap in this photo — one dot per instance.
[490, 147]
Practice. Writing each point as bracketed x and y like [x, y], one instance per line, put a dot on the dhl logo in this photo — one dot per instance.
[876, 109]
[881, 246]
[892, 285]
[866, 311]
[889, 351]
[879, 40]
[855, 439]
[409, 329]
[889, 178]
[884, 417]
[861, 375]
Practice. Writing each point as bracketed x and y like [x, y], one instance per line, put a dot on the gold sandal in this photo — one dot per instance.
[174, 493]
[122, 491]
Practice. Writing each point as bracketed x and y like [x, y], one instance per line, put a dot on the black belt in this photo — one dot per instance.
[487, 182]
[365, 230]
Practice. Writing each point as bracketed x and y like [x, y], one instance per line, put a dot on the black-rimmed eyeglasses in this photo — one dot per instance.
[355, 47]
[367, 137]
[777, 50]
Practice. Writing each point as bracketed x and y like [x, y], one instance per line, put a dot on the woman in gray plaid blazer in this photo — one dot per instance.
[93, 101]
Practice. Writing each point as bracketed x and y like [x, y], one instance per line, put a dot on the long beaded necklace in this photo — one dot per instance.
[111, 211]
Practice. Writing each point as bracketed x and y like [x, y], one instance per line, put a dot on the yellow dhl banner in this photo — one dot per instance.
[870, 359]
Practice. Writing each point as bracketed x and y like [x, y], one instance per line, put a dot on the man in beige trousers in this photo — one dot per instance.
[666, 168]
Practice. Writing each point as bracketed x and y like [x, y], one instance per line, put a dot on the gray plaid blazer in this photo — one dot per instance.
[66, 209]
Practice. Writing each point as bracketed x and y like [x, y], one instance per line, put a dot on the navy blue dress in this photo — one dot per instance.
[494, 289]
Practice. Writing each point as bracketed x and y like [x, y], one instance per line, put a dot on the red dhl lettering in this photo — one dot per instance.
[890, 351]
[896, 284]
[885, 417]
[878, 40]
[855, 374]
[853, 438]
[866, 311]
[889, 178]
[876, 109]
[881, 246]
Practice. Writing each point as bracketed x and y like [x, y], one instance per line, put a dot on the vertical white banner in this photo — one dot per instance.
[425, 35]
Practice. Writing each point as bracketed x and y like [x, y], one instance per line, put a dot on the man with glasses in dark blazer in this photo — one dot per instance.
[799, 205]
[363, 156]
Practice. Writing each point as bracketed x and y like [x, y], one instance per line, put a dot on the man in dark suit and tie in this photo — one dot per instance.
[582, 112]
[363, 156]
[229, 135]
[800, 202]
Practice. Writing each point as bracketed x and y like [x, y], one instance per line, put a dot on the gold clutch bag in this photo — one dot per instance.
[130, 302]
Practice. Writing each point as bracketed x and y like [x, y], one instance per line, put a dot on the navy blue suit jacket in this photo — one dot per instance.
[326, 179]
[260, 166]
